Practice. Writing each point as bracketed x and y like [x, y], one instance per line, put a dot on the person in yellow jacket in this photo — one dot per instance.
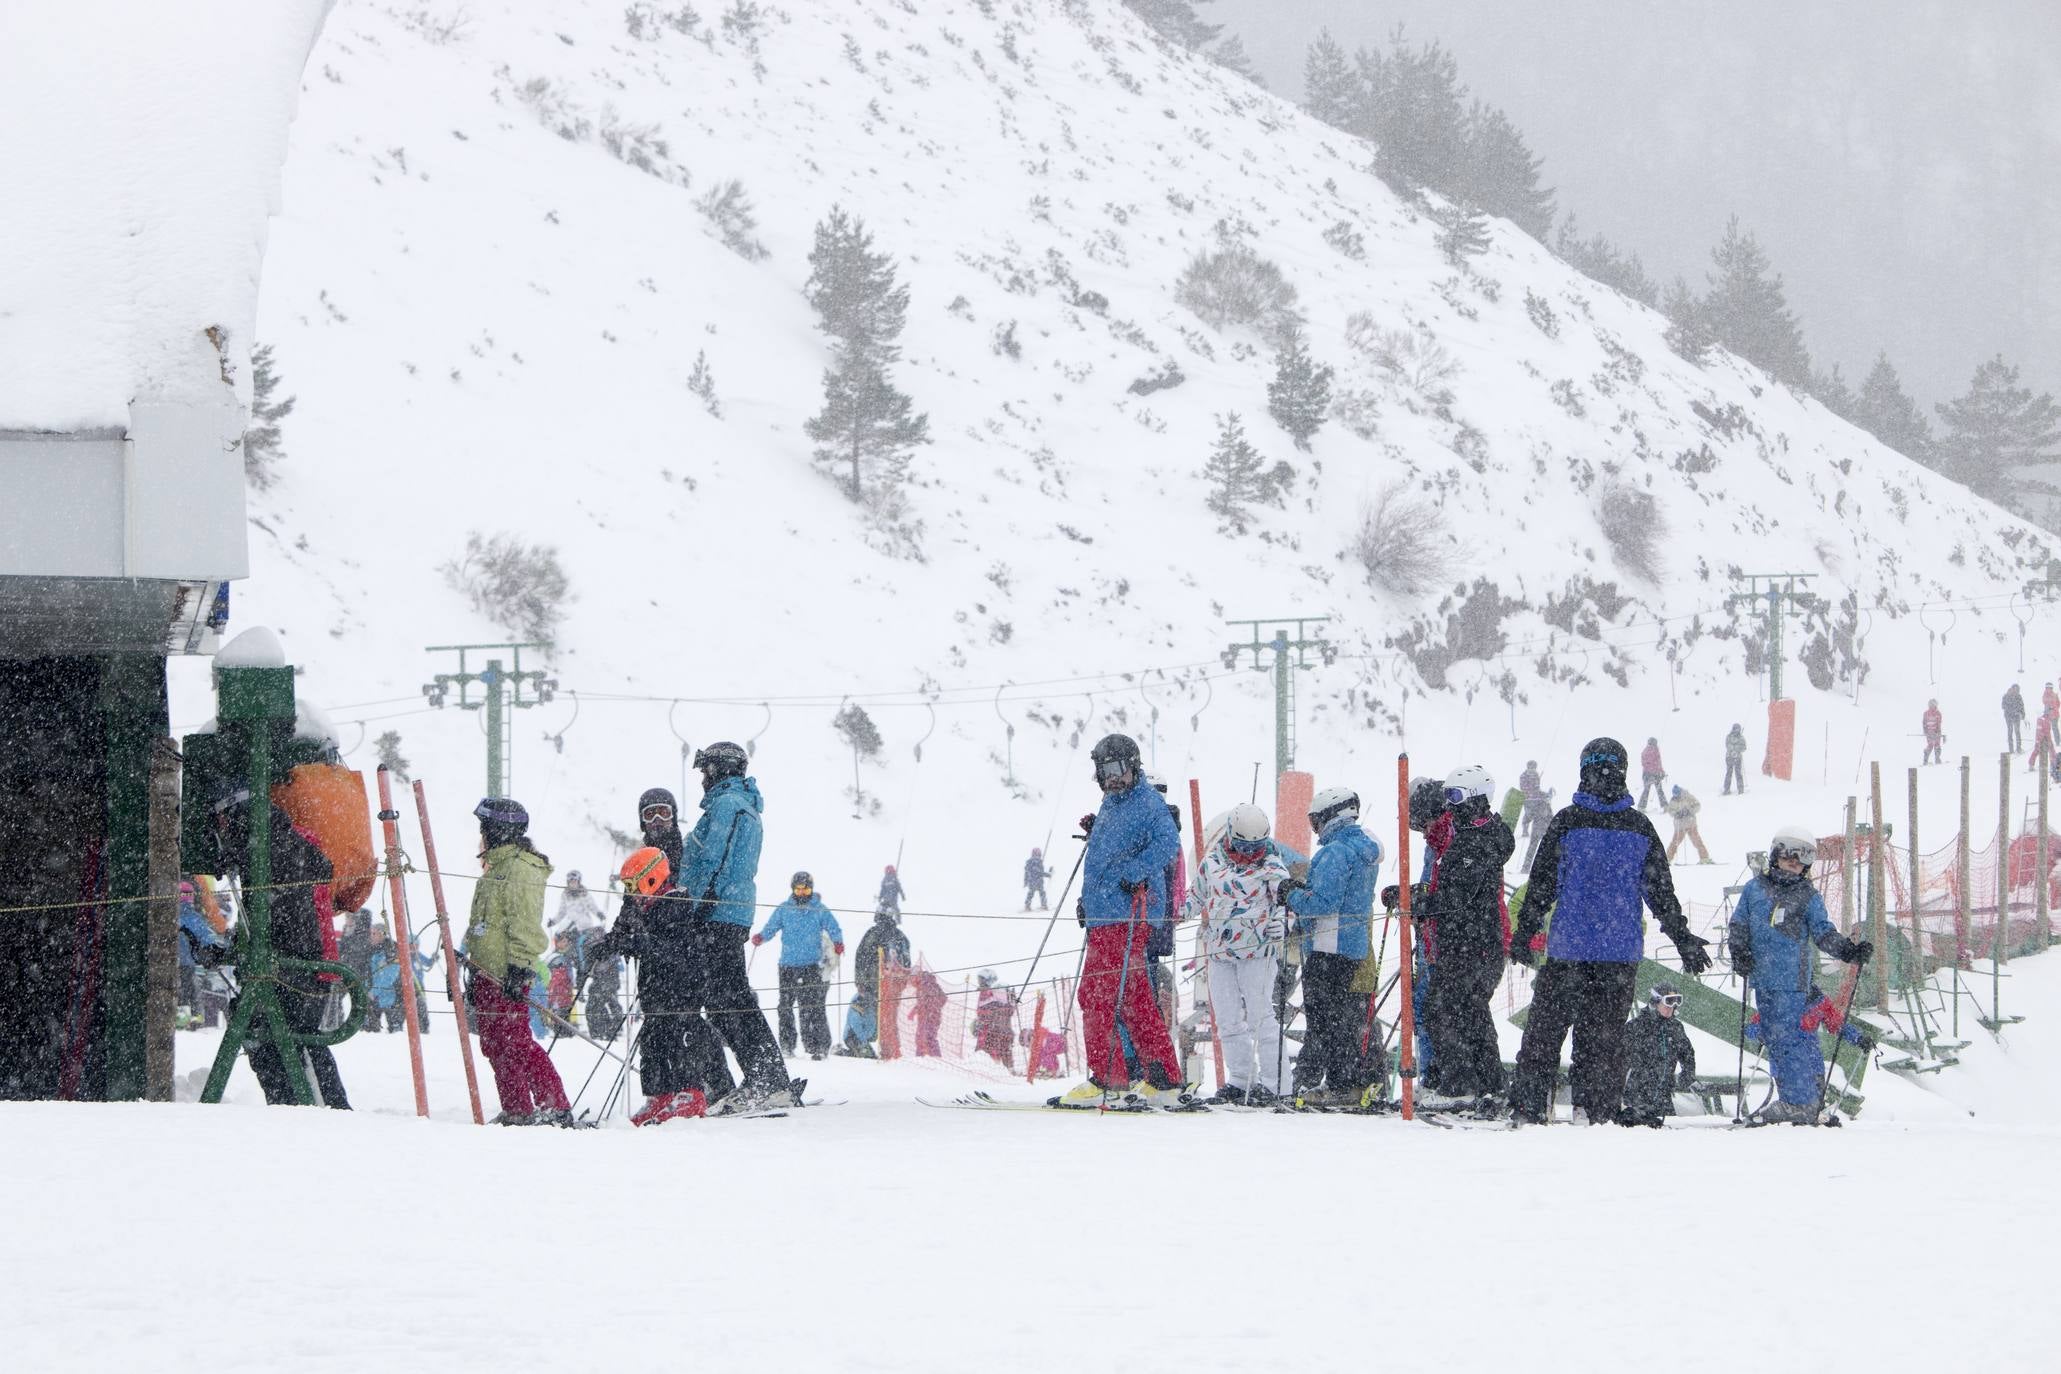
[503, 943]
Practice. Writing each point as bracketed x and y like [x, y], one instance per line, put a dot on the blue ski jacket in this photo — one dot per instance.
[1597, 864]
[1133, 841]
[800, 926]
[194, 931]
[719, 859]
[1778, 921]
[1336, 910]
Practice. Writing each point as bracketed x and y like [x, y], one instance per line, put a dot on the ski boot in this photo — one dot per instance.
[671, 1106]
[1088, 1095]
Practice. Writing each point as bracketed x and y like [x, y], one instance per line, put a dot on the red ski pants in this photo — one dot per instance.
[1106, 979]
[524, 1075]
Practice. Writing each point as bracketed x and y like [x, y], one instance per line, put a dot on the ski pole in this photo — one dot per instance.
[598, 1060]
[1057, 907]
[1739, 1101]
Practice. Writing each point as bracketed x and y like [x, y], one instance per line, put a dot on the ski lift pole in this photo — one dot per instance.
[454, 986]
[404, 943]
[1406, 1029]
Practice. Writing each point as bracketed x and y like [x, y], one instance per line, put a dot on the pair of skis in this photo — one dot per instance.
[1114, 1105]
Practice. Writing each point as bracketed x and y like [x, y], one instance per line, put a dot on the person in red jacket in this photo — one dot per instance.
[1651, 773]
[1933, 737]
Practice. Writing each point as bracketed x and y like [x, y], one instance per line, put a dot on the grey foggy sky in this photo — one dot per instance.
[1900, 160]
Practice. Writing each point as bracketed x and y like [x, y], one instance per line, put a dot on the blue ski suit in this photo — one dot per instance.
[1777, 923]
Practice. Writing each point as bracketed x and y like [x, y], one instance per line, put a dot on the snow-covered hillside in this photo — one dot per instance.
[492, 280]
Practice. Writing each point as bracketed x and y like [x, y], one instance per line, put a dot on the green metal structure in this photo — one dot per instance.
[501, 692]
[1281, 646]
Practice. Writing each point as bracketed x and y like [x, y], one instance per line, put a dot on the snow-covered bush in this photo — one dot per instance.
[1633, 524]
[1232, 285]
[727, 207]
[1401, 541]
[520, 587]
[1414, 362]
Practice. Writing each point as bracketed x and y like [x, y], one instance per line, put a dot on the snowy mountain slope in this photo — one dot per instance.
[489, 318]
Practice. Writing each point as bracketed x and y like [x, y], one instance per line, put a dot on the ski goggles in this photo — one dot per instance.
[1109, 770]
[1667, 999]
[657, 811]
[1796, 852]
[1455, 795]
[1592, 760]
[1246, 851]
[802, 889]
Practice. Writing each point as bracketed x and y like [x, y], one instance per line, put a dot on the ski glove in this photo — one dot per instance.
[516, 983]
[1130, 887]
[1695, 957]
[1274, 930]
[1087, 826]
[1288, 887]
[1742, 960]
[838, 949]
[1521, 952]
[1391, 897]
[1861, 953]
[757, 940]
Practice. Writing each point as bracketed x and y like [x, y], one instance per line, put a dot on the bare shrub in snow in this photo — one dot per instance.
[1412, 361]
[1634, 526]
[388, 746]
[554, 109]
[1346, 240]
[638, 145]
[727, 207]
[261, 447]
[520, 587]
[1401, 541]
[1232, 285]
[440, 25]
[702, 383]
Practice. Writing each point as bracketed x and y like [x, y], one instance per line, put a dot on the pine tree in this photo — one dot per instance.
[1234, 473]
[388, 747]
[1833, 393]
[1598, 259]
[1885, 411]
[1994, 431]
[1299, 397]
[262, 451]
[1499, 173]
[1176, 21]
[702, 383]
[1688, 331]
[1748, 313]
[1463, 233]
[865, 424]
[1416, 117]
[1330, 89]
[1230, 54]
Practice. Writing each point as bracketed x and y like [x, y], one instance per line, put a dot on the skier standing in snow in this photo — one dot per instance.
[994, 1021]
[1034, 875]
[681, 1060]
[504, 939]
[2014, 719]
[300, 914]
[1735, 759]
[1461, 908]
[801, 922]
[1159, 943]
[1599, 862]
[1682, 809]
[1123, 894]
[719, 861]
[1334, 911]
[1930, 723]
[883, 940]
[1779, 920]
[1652, 773]
[580, 917]
[891, 891]
[1244, 924]
[1655, 1048]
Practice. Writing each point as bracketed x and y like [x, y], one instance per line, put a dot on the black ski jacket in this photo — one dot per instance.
[1466, 904]
[866, 959]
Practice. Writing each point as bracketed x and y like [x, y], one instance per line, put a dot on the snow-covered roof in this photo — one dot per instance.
[138, 172]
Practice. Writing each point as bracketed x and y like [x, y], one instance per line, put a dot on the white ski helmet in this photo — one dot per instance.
[1333, 804]
[987, 977]
[1246, 822]
[1470, 781]
[1796, 841]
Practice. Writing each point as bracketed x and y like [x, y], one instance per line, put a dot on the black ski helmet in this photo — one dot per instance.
[502, 811]
[1427, 802]
[801, 878]
[1603, 767]
[1661, 991]
[657, 796]
[722, 759]
[1113, 755]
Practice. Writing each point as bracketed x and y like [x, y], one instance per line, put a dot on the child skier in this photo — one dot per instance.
[504, 940]
[1334, 911]
[1243, 925]
[1655, 1046]
[994, 1021]
[1777, 921]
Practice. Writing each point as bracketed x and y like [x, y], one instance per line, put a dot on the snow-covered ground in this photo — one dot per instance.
[882, 1234]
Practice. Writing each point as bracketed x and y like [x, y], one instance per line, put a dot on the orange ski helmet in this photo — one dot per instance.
[645, 872]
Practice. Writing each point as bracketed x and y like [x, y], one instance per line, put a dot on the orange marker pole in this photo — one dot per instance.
[453, 984]
[1037, 1040]
[404, 938]
[1406, 1029]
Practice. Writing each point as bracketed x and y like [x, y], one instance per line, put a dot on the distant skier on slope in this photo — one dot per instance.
[1779, 920]
[891, 891]
[1123, 894]
[1931, 724]
[1244, 924]
[1652, 773]
[1334, 912]
[1659, 1060]
[2014, 719]
[503, 942]
[1600, 861]
[1034, 875]
[1735, 759]
[1682, 809]
[1461, 907]
[883, 941]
